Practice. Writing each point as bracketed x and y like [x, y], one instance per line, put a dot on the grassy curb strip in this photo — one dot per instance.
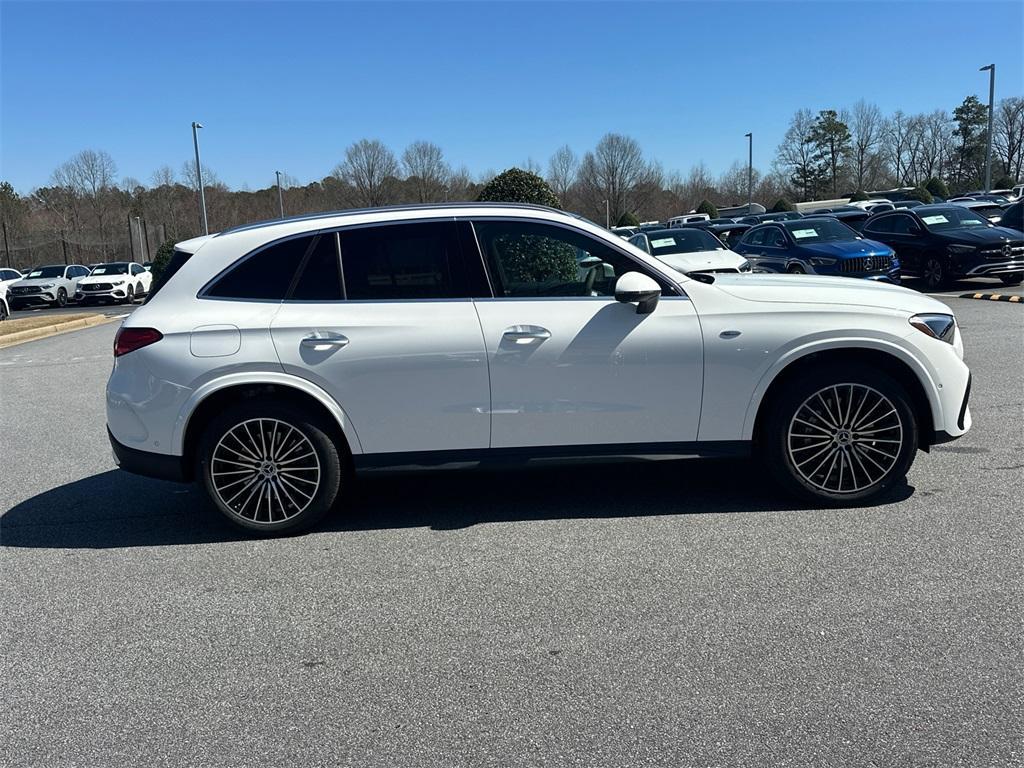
[11, 335]
[994, 297]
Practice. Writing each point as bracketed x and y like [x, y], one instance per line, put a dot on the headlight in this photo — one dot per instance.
[962, 249]
[822, 261]
[937, 326]
[117, 282]
[745, 266]
[47, 286]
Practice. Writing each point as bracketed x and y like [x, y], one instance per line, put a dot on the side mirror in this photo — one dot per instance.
[636, 287]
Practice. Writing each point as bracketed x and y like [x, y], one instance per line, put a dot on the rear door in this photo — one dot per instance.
[571, 366]
[381, 318]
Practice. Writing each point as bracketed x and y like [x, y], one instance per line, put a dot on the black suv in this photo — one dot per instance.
[942, 242]
[1013, 217]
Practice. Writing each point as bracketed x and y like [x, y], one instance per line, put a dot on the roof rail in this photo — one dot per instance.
[386, 208]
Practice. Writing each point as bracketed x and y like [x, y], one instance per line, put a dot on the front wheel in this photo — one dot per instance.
[1014, 278]
[130, 298]
[62, 298]
[4, 314]
[270, 468]
[796, 269]
[935, 273]
[840, 435]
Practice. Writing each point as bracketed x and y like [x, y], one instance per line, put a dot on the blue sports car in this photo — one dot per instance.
[818, 246]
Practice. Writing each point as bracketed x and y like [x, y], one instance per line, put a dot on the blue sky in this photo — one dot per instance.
[288, 86]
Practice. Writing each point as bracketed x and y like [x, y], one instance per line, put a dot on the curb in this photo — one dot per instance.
[994, 297]
[32, 334]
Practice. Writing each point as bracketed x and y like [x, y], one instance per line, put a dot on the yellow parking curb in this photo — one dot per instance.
[32, 334]
[994, 297]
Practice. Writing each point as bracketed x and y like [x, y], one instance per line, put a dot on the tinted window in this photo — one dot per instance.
[773, 238]
[116, 268]
[8, 274]
[402, 261]
[901, 225]
[755, 237]
[266, 274]
[531, 259]
[321, 277]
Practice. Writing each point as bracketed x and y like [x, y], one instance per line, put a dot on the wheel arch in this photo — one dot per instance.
[892, 360]
[210, 400]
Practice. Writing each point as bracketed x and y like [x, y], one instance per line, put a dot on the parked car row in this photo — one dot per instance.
[54, 285]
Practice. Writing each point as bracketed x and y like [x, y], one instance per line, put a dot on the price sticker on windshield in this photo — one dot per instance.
[799, 233]
[936, 219]
[663, 243]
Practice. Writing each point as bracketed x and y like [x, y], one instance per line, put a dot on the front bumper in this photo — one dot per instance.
[158, 465]
[994, 269]
[31, 300]
[114, 294]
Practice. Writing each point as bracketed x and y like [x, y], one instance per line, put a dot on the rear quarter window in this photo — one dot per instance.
[264, 275]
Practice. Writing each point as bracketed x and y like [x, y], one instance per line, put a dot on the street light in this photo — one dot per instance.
[142, 250]
[199, 175]
[991, 98]
[750, 171]
[280, 197]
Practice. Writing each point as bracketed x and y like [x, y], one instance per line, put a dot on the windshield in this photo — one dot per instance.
[819, 231]
[954, 217]
[684, 241]
[57, 271]
[119, 268]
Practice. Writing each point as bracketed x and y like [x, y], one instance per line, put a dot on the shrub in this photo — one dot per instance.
[162, 259]
[627, 220]
[1003, 182]
[917, 193]
[706, 206]
[518, 186]
[937, 187]
[782, 205]
[858, 196]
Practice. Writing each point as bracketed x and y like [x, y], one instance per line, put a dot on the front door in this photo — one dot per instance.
[568, 364]
[394, 337]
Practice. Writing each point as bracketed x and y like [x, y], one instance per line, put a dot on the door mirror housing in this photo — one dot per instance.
[634, 287]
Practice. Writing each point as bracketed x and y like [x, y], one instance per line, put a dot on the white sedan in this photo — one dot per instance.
[690, 250]
[121, 282]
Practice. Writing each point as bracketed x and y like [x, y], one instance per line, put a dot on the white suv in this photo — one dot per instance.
[52, 285]
[119, 281]
[277, 358]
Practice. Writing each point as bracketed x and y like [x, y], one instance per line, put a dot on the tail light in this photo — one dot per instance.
[130, 339]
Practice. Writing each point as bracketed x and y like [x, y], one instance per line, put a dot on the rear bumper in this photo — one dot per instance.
[158, 465]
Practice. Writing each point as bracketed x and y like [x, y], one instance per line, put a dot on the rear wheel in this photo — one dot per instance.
[840, 435]
[1014, 278]
[935, 273]
[270, 468]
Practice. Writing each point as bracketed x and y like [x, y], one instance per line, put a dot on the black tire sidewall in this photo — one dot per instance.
[332, 456]
[1014, 278]
[62, 298]
[773, 440]
[943, 272]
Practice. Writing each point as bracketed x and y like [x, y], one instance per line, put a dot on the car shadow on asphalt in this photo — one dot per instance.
[117, 509]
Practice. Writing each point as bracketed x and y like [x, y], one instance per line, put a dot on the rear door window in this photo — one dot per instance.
[321, 274]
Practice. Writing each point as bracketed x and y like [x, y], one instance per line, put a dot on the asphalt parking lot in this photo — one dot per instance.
[673, 614]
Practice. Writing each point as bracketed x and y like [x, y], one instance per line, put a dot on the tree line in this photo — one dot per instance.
[87, 214]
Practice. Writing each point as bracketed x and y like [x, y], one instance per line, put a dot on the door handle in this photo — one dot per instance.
[526, 334]
[321, 341]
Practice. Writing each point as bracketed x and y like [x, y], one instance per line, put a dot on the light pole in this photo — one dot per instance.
[991, 98]
[199, 176]
[280, 197]
[607, 215]
[750, 171]
[142, 249]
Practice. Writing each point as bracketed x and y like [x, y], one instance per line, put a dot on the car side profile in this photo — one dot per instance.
[818, 246]
[274, 360]
[119, 282]
[941, 242]
[51, 285]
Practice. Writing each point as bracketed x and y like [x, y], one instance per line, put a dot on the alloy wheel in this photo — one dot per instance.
[845, 438]
[265, 471]
[933, 273]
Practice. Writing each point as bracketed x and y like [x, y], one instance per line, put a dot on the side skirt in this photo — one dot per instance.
[560, 454]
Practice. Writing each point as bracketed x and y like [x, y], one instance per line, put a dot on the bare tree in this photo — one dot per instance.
[1008, 135]
[866, 126]
[426, 170]
[798, 156]
[90, 176]
[370, 167]
[896, 145]
[615, 172]
[562, 169]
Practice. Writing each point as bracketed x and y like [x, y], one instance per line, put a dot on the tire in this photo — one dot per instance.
[796, 269]
[130, 298]
[237, 441]
[4, 314]
[1014, 278]
[856, 468]
[62, 298]
[139, 290]
[935, 273]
